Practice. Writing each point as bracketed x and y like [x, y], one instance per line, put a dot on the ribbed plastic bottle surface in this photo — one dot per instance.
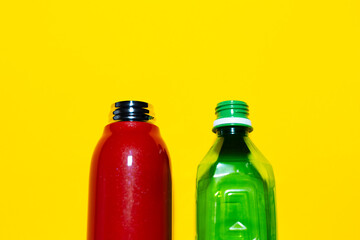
[235, 183]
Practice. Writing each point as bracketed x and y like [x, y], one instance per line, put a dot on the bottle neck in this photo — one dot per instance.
[233, 141]
[136, 111]
[232, 132]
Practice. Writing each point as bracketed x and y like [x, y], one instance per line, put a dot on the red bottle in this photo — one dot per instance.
[130, 179]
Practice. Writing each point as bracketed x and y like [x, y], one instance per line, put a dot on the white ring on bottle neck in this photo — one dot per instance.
[227, 120]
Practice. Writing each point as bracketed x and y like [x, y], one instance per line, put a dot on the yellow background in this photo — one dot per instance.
[296, 63]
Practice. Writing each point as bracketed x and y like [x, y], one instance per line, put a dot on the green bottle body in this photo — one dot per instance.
[235, 190]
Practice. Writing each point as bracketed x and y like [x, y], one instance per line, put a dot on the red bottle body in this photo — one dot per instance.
[130, 184]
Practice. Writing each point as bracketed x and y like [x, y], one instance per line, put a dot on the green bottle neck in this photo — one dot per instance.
[232, 132]
[233, 143]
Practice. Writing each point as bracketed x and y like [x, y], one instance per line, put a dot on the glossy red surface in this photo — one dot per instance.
[130, 185]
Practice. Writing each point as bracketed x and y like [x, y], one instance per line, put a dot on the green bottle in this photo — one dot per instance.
[235, 187]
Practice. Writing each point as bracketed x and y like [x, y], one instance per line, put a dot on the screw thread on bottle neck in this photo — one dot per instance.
[132, 111]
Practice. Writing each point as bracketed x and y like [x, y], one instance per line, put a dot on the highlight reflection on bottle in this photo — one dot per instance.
[130, 179]
[235, 183]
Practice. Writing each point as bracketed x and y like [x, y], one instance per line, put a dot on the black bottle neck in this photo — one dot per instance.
[132, 111]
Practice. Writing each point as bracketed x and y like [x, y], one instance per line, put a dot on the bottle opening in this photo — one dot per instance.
[132, 111]
[232, 113]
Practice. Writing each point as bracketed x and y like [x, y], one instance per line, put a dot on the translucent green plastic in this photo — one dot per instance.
[235, 190]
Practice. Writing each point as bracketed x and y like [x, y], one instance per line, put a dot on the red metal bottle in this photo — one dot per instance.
[130, 180]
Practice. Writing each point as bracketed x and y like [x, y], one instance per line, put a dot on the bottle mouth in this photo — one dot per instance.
[132, 111]
[232, 113]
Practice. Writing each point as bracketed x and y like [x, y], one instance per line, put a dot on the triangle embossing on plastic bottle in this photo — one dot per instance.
[237, 227]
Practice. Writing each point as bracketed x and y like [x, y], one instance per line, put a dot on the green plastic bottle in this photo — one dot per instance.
[235, 183]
